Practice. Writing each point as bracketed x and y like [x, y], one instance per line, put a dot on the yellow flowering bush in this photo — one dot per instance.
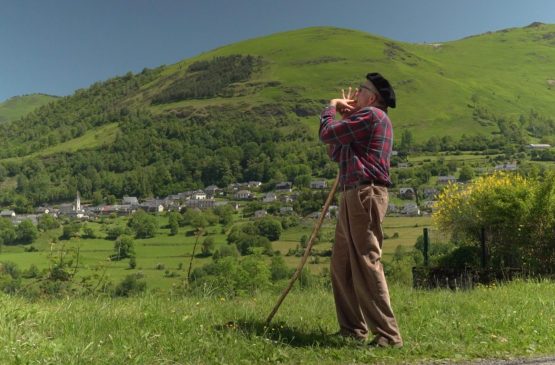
[499, 204]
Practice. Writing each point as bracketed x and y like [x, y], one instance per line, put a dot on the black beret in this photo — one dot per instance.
[384, 88]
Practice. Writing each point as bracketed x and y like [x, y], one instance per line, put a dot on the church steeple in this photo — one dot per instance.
[78, 202]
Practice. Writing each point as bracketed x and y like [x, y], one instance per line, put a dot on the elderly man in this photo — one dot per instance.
[361, 143]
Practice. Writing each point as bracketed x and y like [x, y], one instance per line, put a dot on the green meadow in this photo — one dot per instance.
[162, 255]
[514, 320]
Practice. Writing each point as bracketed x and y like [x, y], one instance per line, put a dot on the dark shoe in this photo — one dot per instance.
[382, 342]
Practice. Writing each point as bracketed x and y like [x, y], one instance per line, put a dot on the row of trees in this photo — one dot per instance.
[209, 78]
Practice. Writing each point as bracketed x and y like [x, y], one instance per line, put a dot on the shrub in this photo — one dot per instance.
[130, 285]
[144, 224]
[231, 276]
[123, 248]
[115, 231]
[516, 215]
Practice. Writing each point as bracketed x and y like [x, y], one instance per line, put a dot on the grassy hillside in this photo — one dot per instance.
[437, 85]
[507, 322]
[18, 106]
[249, 111]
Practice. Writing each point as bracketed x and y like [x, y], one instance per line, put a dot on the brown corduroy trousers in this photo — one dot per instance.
[359, 286]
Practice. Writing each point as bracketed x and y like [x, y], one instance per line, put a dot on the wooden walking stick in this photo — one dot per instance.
[307, 250]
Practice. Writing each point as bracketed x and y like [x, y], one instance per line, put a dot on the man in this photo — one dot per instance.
[361, 143]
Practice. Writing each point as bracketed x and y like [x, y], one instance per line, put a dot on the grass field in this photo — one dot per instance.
[508, 321]
[155, 256]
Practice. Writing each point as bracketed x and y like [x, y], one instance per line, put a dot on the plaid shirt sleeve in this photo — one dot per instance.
[361, 143]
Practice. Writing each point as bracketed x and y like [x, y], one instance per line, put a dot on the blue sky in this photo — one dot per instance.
[58, 46]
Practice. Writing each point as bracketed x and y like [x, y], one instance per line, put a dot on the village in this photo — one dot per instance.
[236, 194]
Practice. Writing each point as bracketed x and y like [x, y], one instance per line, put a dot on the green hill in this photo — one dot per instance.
[18, 106]
[249, 111]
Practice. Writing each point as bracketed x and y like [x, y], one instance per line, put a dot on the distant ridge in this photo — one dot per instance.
[18, 106]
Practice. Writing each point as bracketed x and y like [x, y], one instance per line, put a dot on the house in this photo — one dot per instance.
[285, 199]
[260, 213]
[410, 209]
[407, 193]
[254, 184]
[446, 180]
[130, 200]
[242, 195]
[7, 214]
[403, 165]
[212, 190]
[538, 146]
[286, 210]
[392, 209]
[152, 205]
[24, 217]
[286, 186]
[200, 203]
[269, 197]
[318, 184]
[429, 204]
[430, 193]
[507, 167]
[118, 209]
[198, 195]
[42, 210]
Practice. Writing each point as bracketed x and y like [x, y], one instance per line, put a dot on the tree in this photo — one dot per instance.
[115, 231]
[47, 222]
[97, 198]
[7, 232]
[466, 174]
[278, 268]
[88, 232]
[303, 240]
[144, 224]
[269, 228]
[406, 140]
[70, 230]
[225, 251]
[174, 223]
[123, 248]
[26, 232]
[208, 246]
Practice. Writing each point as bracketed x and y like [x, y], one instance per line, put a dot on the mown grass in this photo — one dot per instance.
[507, 321]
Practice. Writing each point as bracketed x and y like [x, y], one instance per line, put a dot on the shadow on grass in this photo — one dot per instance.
[286, 335]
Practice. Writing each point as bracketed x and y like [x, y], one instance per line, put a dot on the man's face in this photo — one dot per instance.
[366, 96]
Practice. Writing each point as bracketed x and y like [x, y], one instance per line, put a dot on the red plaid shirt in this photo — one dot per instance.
[361, 144]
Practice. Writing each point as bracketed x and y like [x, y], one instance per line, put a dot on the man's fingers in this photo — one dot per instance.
[349, 94]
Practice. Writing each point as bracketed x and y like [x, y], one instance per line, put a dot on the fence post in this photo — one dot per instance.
[426, 246]
[484, 248]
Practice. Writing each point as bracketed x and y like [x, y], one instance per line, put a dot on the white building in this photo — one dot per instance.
[270, 197]
[318, 184]
[243, 195]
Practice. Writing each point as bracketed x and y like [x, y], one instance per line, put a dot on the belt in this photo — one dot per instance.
[358, 184]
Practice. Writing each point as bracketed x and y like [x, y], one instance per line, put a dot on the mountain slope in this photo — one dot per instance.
[18, 106]
[249, 111]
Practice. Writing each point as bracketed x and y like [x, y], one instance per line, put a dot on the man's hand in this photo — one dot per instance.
[347, 103]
